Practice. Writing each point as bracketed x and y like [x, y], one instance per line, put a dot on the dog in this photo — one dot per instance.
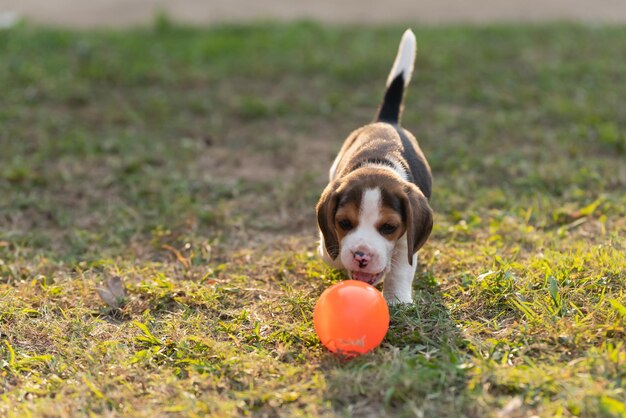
[374, 214]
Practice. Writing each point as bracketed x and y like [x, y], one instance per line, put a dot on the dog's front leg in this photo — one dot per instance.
[397, 287]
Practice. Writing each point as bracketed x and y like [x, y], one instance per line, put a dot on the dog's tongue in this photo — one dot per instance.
[364, 277]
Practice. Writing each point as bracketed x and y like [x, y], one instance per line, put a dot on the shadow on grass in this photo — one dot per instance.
[419, 369]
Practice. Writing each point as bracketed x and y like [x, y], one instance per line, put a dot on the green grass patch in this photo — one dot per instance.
[188, 161]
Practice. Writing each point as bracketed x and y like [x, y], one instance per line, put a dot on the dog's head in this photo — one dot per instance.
[366, 214]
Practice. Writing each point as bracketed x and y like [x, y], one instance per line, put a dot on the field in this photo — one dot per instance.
[188, 161]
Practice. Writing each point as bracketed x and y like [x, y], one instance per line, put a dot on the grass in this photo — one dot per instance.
[188, 162]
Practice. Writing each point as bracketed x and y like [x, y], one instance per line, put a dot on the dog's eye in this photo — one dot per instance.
[387, 229]
[345, 224]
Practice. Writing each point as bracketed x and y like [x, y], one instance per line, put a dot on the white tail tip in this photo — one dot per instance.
[405, 58]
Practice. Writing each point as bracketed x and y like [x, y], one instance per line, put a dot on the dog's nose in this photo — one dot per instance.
[362, 259]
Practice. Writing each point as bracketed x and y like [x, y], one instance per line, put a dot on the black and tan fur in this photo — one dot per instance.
[381, 156]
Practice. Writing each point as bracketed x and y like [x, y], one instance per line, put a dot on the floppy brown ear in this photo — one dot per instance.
[419, 219]
[326, 209]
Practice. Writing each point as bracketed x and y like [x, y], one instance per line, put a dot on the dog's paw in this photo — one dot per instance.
[397, 299]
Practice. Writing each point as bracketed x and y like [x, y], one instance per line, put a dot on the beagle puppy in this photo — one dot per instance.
[374, 214]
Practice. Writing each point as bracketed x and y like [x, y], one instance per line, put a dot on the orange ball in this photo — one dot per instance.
[351, 318]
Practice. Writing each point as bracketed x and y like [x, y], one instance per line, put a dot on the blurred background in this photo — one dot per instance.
[127, 12]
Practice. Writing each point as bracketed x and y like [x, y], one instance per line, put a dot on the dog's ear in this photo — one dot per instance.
[419, 219]
[326, 209]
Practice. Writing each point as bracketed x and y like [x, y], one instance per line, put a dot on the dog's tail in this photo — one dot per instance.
[398, 79]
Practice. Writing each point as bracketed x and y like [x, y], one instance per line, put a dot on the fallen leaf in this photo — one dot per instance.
[113, 292]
